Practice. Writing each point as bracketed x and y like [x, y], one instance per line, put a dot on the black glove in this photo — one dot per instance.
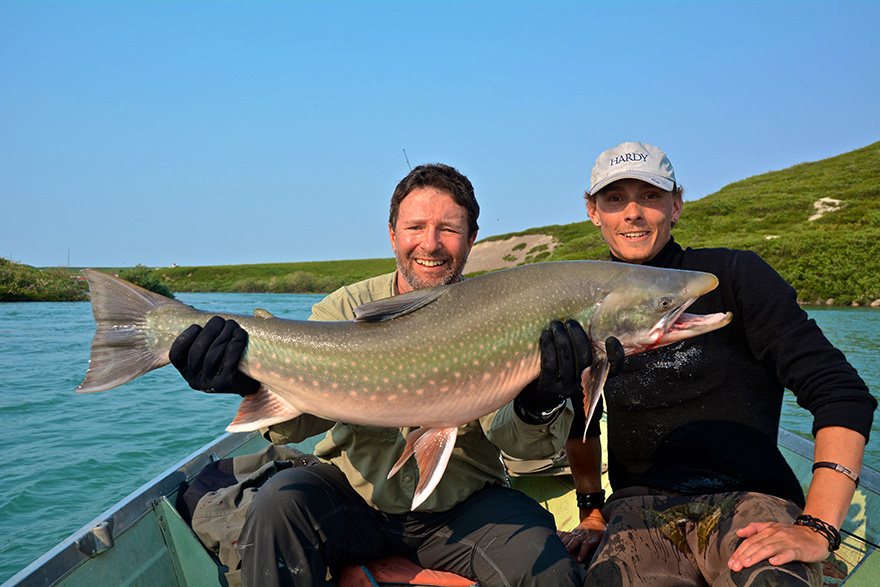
[615, 353]
[208, 357]
[565, 352]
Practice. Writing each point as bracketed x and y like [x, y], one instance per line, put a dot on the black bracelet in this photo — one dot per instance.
[590, 501]
[839, 468]
[825, 529]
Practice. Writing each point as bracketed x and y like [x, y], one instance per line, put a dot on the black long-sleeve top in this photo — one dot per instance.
[701, 415]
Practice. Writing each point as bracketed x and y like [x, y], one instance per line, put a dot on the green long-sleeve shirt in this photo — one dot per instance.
[366, 453]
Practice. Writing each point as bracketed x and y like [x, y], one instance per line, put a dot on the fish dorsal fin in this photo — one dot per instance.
[262, 314]
[397, 306]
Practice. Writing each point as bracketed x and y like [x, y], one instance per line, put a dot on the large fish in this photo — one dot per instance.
[434, 359]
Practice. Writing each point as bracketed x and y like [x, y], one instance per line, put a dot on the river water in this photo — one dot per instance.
[66, 457]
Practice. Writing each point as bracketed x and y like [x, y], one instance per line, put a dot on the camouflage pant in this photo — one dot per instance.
[661, 540]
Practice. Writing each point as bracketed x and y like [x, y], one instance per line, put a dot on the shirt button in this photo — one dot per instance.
[407, 479]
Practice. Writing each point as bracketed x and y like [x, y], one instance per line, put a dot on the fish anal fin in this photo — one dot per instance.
[432, 447]
[408, 451]
[593, 381]
[261, 409]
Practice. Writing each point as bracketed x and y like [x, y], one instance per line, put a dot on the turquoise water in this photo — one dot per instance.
[65, 457]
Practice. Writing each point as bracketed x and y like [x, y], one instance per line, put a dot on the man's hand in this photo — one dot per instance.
[208, 357]
[777, 543]
[585, 537]
[565, 352]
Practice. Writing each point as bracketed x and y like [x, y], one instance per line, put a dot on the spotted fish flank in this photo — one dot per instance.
[432, 359]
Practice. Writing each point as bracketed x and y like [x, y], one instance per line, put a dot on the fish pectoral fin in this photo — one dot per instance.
[432, 447]
[397, 306]
[593, 381]
[261, 409]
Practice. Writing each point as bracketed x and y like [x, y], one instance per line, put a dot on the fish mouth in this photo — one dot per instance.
[677, 325]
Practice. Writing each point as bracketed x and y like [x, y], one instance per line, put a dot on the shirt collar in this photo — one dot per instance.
[665, 258]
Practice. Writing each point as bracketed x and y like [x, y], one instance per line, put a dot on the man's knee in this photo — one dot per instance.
[272, 498]
[293, 497]
[506, 538]
[283, 539]
[605, 574]
[766, 575]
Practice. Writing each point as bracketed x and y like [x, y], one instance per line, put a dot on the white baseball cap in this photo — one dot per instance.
[633, 160]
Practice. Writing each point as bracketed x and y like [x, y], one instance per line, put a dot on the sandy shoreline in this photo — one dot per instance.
[492, 255]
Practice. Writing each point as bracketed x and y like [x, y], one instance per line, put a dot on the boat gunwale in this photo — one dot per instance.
[65, 557]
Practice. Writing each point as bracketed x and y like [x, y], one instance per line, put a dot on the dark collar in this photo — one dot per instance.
[669, 256]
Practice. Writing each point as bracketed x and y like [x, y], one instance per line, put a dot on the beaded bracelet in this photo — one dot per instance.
[590, 501]
[825, 529]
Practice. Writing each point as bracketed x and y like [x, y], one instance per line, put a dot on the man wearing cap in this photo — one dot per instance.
[701, 493]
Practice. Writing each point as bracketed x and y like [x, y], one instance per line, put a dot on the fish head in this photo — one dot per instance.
[645, 309]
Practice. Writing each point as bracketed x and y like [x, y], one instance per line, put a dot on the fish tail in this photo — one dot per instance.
[120, 348]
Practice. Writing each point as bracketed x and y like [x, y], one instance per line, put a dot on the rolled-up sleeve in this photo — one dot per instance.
[520, 440]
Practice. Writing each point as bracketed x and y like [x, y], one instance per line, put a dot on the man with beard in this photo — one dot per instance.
[306, 523]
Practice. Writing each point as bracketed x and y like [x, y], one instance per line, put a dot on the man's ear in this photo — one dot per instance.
[471, 242]
[677, 206]
[591, 212]
[392, 236]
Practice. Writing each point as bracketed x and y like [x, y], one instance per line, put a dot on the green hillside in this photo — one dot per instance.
[834, 256]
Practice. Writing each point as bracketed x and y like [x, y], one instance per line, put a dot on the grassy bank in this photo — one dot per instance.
[306, 277]
[314, 277]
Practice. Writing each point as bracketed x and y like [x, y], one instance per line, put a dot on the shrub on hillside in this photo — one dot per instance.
[147, 279]
[23, 283]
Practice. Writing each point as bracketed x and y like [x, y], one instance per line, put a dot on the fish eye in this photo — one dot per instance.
[665, 302]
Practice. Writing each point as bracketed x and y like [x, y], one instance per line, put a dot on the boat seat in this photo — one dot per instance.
[398, 570]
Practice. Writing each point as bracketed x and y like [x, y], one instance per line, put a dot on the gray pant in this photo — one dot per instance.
[307, 521]
[662, 540]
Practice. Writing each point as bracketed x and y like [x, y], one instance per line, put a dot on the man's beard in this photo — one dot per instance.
[415, 281]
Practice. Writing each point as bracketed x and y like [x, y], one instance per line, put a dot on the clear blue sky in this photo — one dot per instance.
[203, 133]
